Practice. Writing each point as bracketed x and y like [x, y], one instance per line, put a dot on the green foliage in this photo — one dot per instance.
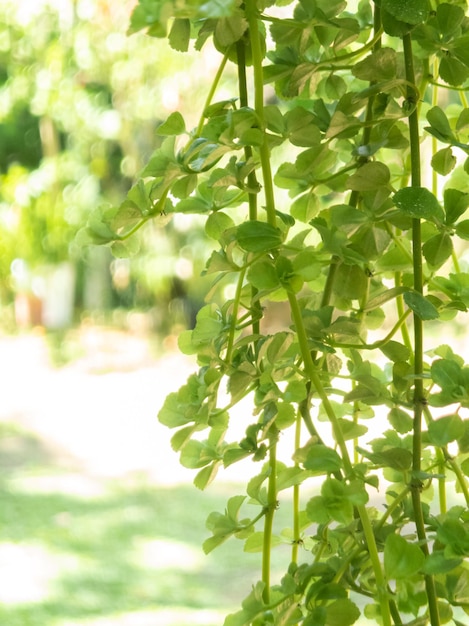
[317, 201]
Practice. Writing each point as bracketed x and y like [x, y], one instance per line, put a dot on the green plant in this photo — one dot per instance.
[368, 258]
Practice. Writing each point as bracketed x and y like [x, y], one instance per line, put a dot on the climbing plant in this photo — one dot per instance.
[333, 180]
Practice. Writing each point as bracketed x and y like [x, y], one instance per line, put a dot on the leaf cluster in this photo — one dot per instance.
[314, 204]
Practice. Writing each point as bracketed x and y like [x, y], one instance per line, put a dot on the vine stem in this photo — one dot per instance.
[269, 516]
[419, 398]
[252, 15]
[296, 494]
[313, 376]
[264, 150]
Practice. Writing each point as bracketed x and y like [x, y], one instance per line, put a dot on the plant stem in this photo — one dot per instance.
[252, 178]
[269, 515]
[419, 398]
[313, 376]
[296, 495]
[264, 150]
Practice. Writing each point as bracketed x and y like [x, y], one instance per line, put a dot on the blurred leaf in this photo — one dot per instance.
[174, 125]
[179, 35]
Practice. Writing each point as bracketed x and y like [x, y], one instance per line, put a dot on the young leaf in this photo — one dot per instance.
[443, 161]
[174, 125]
[439, 124]
[401, 558]
[456, 203]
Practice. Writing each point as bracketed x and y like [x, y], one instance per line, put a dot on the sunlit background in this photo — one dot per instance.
[98, 522]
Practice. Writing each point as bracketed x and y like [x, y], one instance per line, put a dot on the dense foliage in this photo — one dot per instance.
[335, 180]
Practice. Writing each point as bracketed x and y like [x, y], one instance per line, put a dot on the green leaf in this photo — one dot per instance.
[439, 124]
[409, 11]
[342, 612]
[305, 207]
[401, 558]
[437, 563]
[462, 229]
[445, 429]
[350, 282]
[208, 325]
[263, 276]
[452, 71]
[460, 49]
[229, 30]
[422, 307]
[369, 177]
[319, 459]
[401, 421]
[295, 391]
[255, 236]
[393, 26]
[443, 161]
[449, 18]
[335, 87]
[438, 249]
[174, 125]
[418, 202]
[456, 203]
[445, 373]
[395, 351]
[286, 415]
[180, 34]
[217, 223]
[379, 66]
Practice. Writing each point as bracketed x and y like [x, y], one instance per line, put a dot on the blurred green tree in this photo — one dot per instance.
[79, 103]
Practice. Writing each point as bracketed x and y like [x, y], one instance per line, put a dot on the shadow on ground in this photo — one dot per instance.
[74, 548]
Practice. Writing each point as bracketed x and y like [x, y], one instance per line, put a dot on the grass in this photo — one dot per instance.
[110, 550]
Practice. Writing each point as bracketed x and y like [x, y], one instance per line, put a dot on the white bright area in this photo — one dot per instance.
[97, 416]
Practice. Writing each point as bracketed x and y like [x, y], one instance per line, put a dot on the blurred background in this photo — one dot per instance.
[98, 523]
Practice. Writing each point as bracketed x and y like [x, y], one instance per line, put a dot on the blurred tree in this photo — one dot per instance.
[79, 103]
